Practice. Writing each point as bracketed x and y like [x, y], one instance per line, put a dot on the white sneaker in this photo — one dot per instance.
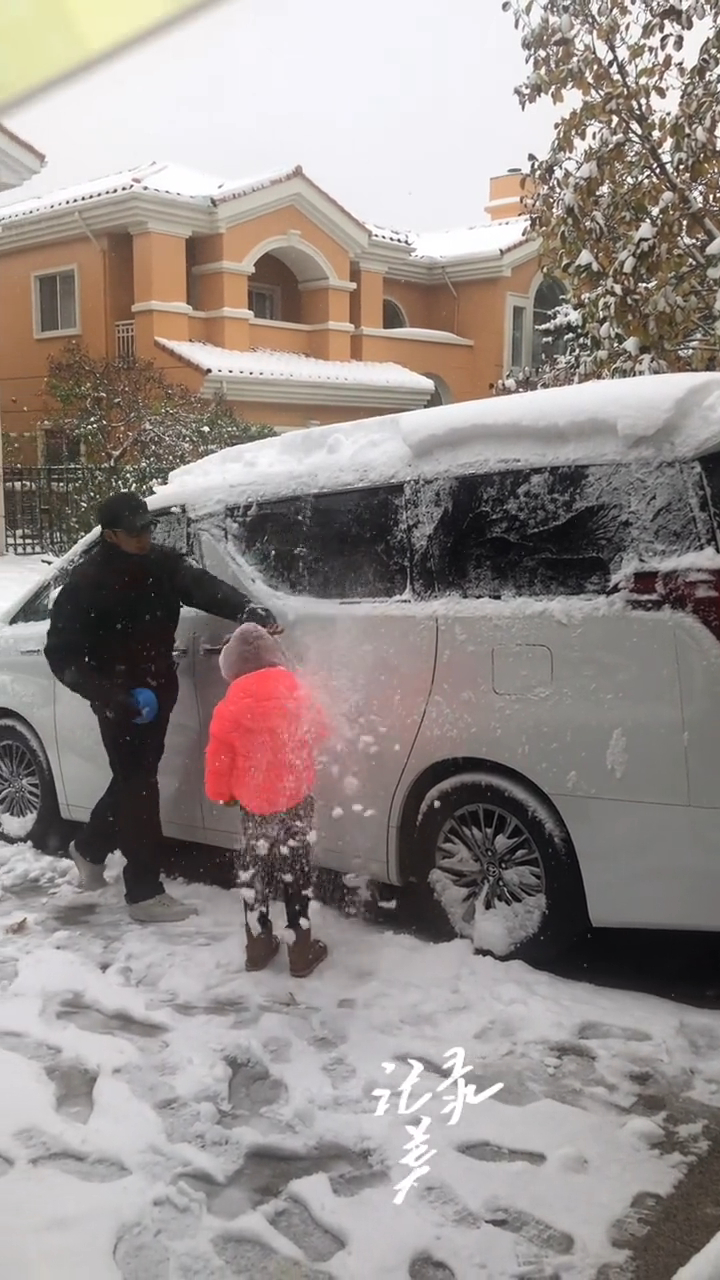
[91, 876]
[158, 910]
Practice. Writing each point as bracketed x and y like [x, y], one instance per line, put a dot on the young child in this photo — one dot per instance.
[261, 755]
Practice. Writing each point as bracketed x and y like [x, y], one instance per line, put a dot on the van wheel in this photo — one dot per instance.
[28, 801]
[501, 866]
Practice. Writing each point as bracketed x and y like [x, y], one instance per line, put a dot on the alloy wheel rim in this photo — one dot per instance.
[487, 854]
[20, 786]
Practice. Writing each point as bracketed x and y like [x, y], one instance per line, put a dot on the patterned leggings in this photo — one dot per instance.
[278, 848]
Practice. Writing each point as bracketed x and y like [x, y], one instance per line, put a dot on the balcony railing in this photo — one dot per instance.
[125, 340]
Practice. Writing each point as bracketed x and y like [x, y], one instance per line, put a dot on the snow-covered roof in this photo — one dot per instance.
[160, 179]
[677, 415]
[19, 161]
[487, 241]
[7, 135]
[203, 190]
[284, 365]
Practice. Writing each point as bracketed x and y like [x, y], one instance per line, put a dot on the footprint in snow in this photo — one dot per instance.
[531, 1229]
[105, 1024]
[625, 1233]
[608, 1031]
[279, 1048]
[86, 1170]
[488, 1153]
[423, 1267]
[294, 1221]
[73, 1090]
[265, 1174]
[338, 1069]
[139, 1252]
[245, 1258]
[250, 1088]
[450, 1206]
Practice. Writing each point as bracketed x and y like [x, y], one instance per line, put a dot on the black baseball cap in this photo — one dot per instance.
[127, 512]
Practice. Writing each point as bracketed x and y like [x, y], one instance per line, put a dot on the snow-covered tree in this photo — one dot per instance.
[571, 360]
[129, 423]
[627, 200]
[563, 354]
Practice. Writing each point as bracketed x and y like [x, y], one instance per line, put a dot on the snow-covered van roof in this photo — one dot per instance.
[675, 414]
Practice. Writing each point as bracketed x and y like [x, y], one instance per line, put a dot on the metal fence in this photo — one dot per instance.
[44, 508]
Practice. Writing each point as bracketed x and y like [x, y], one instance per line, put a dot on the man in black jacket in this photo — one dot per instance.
[112, 630]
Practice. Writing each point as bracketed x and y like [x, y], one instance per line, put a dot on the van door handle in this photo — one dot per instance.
[207, 649]
[180, 652]
[33, 652]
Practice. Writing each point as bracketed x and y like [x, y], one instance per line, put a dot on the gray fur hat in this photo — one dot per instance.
[250, 648]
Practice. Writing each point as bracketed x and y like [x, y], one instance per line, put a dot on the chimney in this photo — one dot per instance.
[506, 195]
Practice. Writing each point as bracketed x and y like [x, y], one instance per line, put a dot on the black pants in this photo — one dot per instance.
[127, 816]
[279, 851]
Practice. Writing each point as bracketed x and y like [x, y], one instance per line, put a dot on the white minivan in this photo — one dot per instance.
[511, 609]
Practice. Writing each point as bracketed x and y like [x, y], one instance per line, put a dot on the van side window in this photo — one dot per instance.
[334, 546]
[271, 537]
[171, 529]
[357, 545]
[504, 534]
[710, 468]
[37, 608]
[551, 532]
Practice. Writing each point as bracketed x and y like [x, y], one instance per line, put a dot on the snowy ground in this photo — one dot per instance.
[162, 1108]
[165, 1116]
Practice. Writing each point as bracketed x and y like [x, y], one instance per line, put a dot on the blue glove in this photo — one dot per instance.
[147, 705]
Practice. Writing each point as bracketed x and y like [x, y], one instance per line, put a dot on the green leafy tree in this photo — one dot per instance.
[627, 199]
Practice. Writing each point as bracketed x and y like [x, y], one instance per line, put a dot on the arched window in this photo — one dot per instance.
[277, 270]
[393, 316]
[546, 345]
[442, 393]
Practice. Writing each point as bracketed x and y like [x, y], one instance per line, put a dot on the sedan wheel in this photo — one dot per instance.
[20, 787]
[28, 802]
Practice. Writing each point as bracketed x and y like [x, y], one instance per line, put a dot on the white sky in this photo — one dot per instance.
[401, 109]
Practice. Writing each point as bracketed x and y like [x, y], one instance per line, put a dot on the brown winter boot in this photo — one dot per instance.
[305, 953]
[260, 949]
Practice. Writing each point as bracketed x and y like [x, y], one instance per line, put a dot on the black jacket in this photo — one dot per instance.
[112, 626]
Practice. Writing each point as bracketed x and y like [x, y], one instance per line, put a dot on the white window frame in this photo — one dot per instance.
[275, 293]
[540, 277]
[37, 276]
[522, 301]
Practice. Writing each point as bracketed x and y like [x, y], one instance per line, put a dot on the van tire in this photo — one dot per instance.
[462, 807]
[29, 811]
